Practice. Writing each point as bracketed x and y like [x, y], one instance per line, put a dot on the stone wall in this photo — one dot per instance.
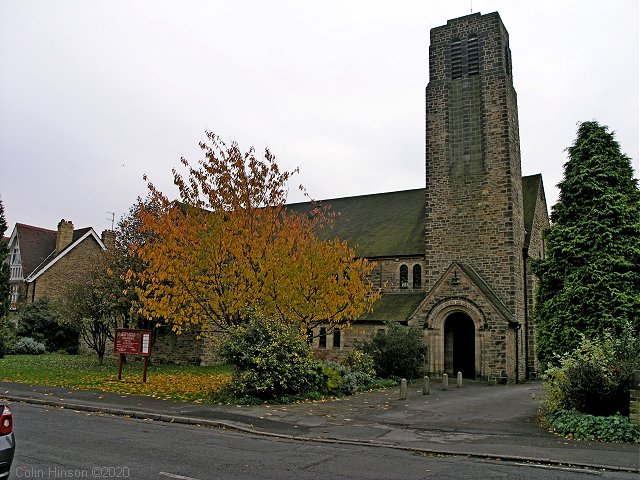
[386, 275]
[183, 349]
[634, 397]
[535, 251]
[71, 268]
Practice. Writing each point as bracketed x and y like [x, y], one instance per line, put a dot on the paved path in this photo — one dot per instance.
[476, 420]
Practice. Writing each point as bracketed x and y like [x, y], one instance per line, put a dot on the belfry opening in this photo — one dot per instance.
[460, 345]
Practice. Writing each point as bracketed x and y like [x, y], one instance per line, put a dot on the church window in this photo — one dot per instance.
[322, 339]
[417, 276]
[456, 59]
[336, 338]
[404, 276]
[473, 62]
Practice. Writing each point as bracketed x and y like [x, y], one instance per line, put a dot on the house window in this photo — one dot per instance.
[417, 276]
[16, 266]
[404, 276]
[322, 340]
[336, 338]
[15, 294]
[456, 59]
[473, 63]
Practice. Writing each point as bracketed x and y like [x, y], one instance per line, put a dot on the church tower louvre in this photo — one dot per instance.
[475, 233]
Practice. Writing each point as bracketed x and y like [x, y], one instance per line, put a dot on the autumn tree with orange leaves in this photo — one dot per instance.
[229, 247]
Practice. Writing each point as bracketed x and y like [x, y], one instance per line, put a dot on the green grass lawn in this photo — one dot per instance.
[174, 382]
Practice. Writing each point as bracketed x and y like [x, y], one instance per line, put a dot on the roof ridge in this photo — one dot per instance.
[357, 196]
[33, 227]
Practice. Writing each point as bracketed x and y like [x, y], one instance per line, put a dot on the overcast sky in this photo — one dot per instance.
[94, 94]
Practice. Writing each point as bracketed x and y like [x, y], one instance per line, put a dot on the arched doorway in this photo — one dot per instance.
[460, 345]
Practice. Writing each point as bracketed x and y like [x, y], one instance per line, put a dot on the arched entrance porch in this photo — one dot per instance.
[454, 330]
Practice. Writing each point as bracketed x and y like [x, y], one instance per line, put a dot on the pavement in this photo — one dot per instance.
[477, 420]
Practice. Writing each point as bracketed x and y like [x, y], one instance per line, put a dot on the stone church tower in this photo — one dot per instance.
[474, 311]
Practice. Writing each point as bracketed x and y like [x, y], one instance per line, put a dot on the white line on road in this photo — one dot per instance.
[558, 467]
[173, 475]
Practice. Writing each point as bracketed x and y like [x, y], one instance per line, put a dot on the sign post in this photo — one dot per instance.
[130, 341]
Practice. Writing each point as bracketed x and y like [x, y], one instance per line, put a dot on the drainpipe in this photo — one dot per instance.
[517, 355]
[526, 314]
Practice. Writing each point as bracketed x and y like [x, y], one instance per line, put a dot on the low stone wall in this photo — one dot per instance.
[170, 348]
[634, 397]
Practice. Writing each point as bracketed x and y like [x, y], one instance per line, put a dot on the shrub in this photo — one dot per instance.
[397, 352]
[41, 321]
[359, 361]
[595, 377]
[28, 346]
[271, 359]
[351, 380]
[333, 383]
[583, 426]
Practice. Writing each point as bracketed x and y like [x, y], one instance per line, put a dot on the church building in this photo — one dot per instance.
[453, 257]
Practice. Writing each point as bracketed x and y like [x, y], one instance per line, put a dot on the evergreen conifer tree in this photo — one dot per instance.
[4, 266]
[590, 277]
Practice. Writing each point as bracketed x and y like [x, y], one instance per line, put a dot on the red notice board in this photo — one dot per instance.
[133, 342]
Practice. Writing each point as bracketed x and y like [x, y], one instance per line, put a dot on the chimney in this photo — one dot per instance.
[109, 239]
[64, 236]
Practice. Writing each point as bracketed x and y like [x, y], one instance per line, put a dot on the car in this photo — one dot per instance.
[7, 441]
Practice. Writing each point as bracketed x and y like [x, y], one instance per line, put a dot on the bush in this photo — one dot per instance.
[594, 378]
[361, 362]
[397, 352]
[583, 426]
[271, 360]
[343, 380]
[28, 346]
[41, 321]
[333, 380]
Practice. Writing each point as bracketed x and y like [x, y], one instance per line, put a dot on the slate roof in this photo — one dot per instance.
[530, 187]
[394, 306]
[36, 244]
[55, 256]
[378, 225]
[393, 224]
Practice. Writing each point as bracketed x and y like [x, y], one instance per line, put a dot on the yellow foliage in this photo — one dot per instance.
[231, 247]
[183, 386]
